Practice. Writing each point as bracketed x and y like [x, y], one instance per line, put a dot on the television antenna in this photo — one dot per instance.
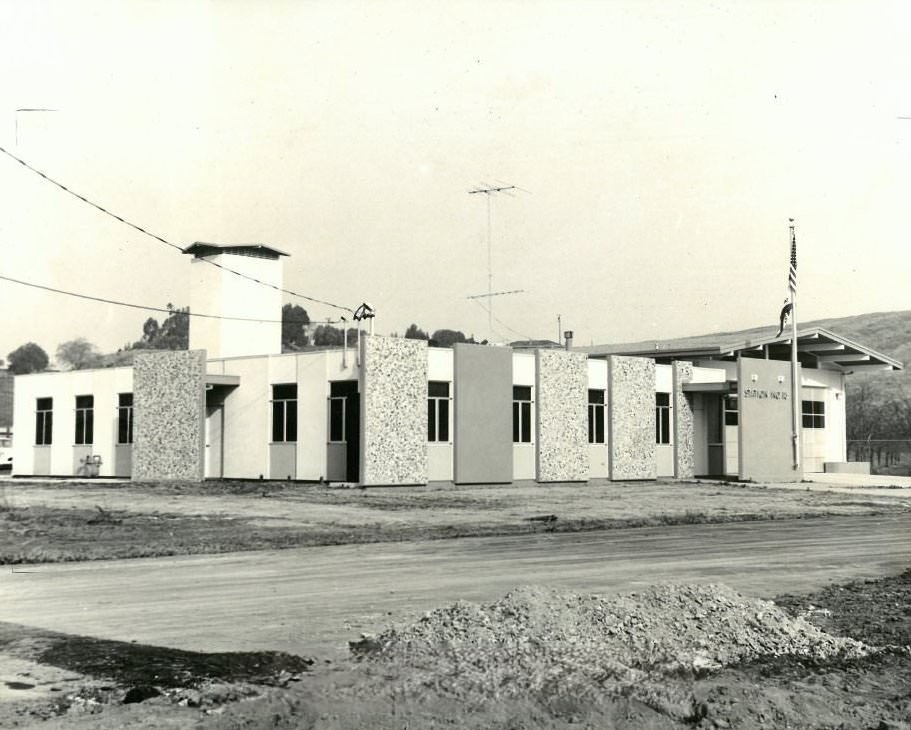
[489, 191]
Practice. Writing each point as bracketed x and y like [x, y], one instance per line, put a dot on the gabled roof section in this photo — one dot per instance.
[256, 250]
[816, 347]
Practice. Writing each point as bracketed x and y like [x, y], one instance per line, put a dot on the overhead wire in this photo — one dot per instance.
[487, 309]
[163, 240]
[160, 309]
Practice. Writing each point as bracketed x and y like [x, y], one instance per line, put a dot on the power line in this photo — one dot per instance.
[156, 309]
[482, 306]
[162, 240]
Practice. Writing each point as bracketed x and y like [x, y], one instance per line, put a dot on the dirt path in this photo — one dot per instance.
[312, 601]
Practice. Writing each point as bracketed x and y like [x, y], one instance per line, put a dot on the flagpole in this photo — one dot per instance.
[795, 384]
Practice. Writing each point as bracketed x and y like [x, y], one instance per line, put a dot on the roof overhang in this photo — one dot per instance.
[225, 381]
[816, 347]
[200, 248]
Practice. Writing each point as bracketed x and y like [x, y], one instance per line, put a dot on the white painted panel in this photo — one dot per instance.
[597, 461]
[523, 369]
[728, 368]
[523, 461]
[597, 374]
[731, 451]
[664, 459]
[439, 462]
[337, 469]
[440, 364]
[664, 378]
[248, 419]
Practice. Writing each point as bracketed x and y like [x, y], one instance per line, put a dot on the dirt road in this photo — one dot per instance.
[311, 601]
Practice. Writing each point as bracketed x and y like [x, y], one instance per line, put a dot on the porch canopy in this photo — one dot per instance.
[817, 347]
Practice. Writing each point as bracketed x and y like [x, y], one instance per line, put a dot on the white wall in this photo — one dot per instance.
[217, 291]
[104, 384]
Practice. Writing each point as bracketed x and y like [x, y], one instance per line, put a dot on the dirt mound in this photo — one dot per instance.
[538, 639]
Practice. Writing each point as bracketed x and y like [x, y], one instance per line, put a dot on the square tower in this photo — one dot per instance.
[222, 284]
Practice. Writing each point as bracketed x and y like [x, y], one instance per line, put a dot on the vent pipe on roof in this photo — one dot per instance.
[568, 336]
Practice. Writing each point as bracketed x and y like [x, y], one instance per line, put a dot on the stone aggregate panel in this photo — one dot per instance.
[482, 409]
[631, 405]
[684, 444]
[394, 410]
[169, 399]
[562, 410]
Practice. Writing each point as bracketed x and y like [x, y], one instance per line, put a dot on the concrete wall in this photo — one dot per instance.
[683, 419]
[169, 415]
[764, 402]
[632, 418]
[393, 410]
[562, 422]
[483, 414]
[59, 458]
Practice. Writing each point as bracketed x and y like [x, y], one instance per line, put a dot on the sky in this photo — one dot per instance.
[659, 147]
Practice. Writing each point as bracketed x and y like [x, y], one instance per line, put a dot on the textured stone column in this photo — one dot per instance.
[393, 410]
[562, 426]
[684, 450]
[631, 405]
[169, 407]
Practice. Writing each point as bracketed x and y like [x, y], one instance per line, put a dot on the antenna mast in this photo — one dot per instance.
[489, 191]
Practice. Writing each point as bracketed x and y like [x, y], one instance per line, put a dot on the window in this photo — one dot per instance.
[339, 392]
[437, 411]
[596, 416]
[731, 416]
[813, 413]
[662, 418]
[521, 414]
[85, 419]
[125, 418]
[284, 412]
[44, 421]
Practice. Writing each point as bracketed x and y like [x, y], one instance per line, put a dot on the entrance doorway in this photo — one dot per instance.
[215, 449]
[344, 430]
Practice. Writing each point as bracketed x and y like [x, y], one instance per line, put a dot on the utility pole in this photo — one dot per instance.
[490, 191]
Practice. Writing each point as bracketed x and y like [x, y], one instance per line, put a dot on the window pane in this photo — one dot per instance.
[665, 425]
[291, 420]
[278, 421]
[48, 428]
[337, 419]
[596, 396]
[431, 419]
[39, 428]
[663, 399]
[521, 392]
[438, 389]
[515, 422]
[123, 426]
[125, 399]
[444, 420]
[44, 404]
[591, 423]
[599, 424]
[89, 427]
[80, 427]
[284, 391]
[526, 422]
[807, 420]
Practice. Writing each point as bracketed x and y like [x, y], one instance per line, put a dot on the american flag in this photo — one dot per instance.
[792, 270]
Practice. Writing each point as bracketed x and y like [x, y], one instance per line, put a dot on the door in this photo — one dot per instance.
[345, 429]
[215, 418]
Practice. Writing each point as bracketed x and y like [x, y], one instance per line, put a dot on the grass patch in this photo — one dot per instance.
[48, 535]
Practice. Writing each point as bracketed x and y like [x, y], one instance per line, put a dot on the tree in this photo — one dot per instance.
[78, 354]
[294, 327]
[447, 338]
[325, 335]
[415, 333]
[172, 334]
[27, 358]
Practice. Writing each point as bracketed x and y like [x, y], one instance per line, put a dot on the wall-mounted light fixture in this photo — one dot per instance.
[754, 378]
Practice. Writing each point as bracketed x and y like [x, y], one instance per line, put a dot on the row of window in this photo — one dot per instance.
[284, 415]
[85, 420]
